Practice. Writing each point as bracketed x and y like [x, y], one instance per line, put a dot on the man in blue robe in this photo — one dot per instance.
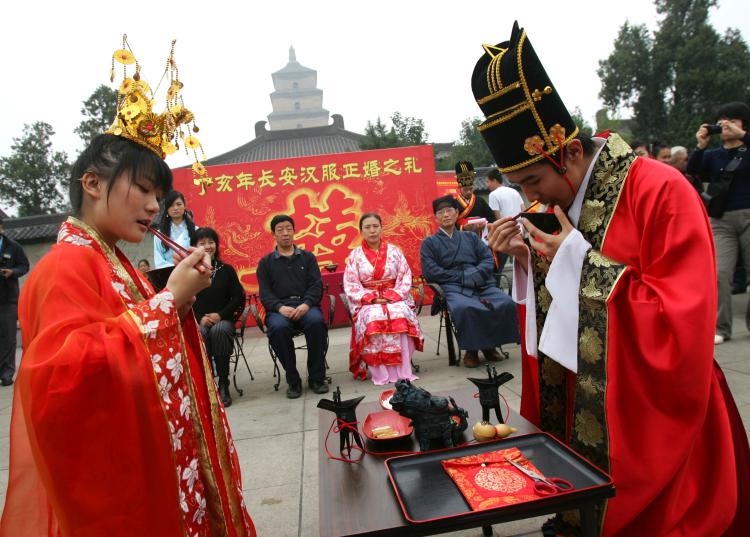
[484, 316]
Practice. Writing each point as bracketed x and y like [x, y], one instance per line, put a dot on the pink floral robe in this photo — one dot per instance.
[384, 336]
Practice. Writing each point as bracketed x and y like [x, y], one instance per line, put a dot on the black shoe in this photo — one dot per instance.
[319, 387]
[294, 390]
[226, 397]
[8, 382]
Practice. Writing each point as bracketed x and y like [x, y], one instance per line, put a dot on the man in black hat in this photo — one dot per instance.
[471, 206]
[484, 316]
[13, 264]
[619, 310]
[291, 288]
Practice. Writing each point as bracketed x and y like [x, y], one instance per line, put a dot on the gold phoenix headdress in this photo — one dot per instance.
[136, 120]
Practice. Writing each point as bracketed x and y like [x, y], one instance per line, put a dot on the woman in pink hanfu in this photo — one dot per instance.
[385, 330]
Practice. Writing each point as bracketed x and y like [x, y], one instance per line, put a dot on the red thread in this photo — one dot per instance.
[507, 407]
[561, 165]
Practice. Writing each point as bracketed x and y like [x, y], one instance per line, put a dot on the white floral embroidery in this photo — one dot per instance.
[164, 387]
[120, 288]
[201, 511]
[163, 301]
[190, 474]
[184, 404]
[155, 359]
[74, 239]
[176, 436]
[183, 501]
[175, 366]
[151, 328]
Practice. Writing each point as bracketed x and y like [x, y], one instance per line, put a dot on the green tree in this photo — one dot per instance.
[470, 146]
[32, 177]
[579, 120]
[673, 80]
[404, 131]
[99, 111]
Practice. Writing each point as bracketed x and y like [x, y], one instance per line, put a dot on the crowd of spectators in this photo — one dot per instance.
[721, 176]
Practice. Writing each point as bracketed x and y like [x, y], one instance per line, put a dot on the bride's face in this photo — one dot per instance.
[371, 230]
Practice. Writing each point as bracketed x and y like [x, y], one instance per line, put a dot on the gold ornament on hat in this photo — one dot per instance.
[534, 145]
[557, 133]
[136, 119]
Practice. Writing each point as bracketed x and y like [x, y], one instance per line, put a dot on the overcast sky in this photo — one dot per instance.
[372, 58]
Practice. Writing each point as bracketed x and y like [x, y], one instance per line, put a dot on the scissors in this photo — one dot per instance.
[544, 486]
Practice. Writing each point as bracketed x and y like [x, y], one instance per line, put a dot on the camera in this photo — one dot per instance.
[713, 129]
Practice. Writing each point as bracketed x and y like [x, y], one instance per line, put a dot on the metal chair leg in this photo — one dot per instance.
[276, 370]
[452, 359]
[328, 378]
[234, 377]
[440, 333]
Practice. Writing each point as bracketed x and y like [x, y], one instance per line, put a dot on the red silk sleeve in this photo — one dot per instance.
[666, 414]
[392, 295]
[86, 390]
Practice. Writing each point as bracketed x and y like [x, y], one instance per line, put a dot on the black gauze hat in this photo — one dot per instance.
[525, 116]
[444, 201]
[465, 173]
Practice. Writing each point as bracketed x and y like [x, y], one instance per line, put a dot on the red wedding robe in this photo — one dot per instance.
[116, 428]
[677, 451]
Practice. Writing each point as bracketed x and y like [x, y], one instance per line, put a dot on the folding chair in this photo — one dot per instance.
[239, 351]
[440, 307]
[259, 314]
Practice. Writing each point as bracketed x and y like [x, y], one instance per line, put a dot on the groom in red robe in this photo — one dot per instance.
[618, 309]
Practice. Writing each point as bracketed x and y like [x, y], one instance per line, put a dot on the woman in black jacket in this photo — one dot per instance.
[217, 309]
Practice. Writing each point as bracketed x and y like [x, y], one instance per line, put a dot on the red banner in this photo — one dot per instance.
[324, 194]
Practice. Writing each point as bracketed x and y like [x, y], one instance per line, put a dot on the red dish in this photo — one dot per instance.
[391, 418]
[385, 399]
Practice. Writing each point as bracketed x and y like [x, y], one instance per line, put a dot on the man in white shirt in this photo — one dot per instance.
[504, 200]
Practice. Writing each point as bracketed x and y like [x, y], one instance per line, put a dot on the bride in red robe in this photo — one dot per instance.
[385, 330]
[117, 428]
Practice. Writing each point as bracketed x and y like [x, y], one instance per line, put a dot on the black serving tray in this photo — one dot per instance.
[426, 492]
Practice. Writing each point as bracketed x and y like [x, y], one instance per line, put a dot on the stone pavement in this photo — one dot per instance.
[277, 439]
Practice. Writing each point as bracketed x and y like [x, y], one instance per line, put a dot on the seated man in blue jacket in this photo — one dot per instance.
[484, 316]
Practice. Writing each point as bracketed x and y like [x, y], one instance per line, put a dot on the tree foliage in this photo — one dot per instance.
[404, 131]
[470, 146]
[99, 112]
[674, 80]
[32, 177]
[583, 125]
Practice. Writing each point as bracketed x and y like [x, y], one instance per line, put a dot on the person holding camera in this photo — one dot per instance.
[13, 265]
[727, 199]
